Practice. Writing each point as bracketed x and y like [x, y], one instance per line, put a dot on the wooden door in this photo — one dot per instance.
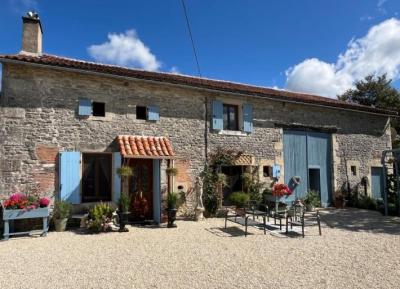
[141, 189]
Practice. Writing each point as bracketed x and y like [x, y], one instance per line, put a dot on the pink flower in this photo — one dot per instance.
[17, 197]
[44, 202]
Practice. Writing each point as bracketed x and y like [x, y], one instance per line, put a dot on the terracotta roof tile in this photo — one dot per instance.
[281, 95]
[145, 146]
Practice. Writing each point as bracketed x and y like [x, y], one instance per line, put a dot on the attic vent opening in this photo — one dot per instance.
[141, 112]
[99, 109]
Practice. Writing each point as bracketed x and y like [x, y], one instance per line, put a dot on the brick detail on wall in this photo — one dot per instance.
[46, 154]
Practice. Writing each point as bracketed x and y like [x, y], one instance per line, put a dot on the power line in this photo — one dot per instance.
[191, 37]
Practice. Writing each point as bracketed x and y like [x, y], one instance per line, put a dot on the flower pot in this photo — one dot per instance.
[123, 219]
[60, 224]
[171, 218]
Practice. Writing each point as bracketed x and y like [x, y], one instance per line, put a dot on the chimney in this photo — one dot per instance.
[31, 34]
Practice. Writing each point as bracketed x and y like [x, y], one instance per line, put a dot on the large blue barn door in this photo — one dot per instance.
[319, 156]
[308, 155]
[376, 182]
[295, 161]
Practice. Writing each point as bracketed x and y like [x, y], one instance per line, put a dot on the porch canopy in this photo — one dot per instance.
[145, 147]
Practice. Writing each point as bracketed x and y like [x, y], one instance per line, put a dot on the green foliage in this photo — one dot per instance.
[62, 209]
[123, 202]
[125, 171]
[239, 199]
[366, 202]
[312, 198]
[171, 171]
[223, 157]
[172, 200]
[213, 179]
[99, 218]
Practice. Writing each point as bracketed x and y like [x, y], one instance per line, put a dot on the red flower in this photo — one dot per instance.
[280, 190]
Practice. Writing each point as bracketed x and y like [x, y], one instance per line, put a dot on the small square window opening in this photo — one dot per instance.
[267, 171]
[353, 170]
[141, 112]
[99, 109]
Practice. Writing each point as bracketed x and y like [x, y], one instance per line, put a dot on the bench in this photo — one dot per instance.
[240, 217]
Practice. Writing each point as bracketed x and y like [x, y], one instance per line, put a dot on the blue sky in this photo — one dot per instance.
[288, 44]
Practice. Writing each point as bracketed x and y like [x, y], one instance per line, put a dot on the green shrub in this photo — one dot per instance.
[172, 200]
[366, 202]
[123, 203]
[239, 199]
[99, 218]
[62, 209]
[312, 198]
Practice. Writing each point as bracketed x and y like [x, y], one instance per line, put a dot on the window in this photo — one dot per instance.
[96, 177]
[141, 112]
[267, 171]
[99, 109]
[231, 117]
[353, 170]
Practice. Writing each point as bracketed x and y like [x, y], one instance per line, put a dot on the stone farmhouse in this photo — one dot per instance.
[66, 125]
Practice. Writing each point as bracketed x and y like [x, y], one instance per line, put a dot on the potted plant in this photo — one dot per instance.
[339, 199]
[239, 199]
[61, 213]
[25, 206]
[172, 203]
[312, 200]
[123, 211]
[125, 171]
[171, 171]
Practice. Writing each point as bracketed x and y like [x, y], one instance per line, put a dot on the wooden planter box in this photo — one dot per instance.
[9, 215]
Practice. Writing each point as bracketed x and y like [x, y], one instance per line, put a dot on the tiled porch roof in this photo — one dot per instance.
[145, 147]
[244, 160]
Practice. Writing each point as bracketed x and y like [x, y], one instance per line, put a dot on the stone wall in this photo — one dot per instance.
[39, 119]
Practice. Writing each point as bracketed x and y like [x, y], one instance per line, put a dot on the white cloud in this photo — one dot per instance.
[376, 53]
[23, 6]
[174, 70]
[125, 49]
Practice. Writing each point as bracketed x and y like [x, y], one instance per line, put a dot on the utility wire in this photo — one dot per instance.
[191, 37]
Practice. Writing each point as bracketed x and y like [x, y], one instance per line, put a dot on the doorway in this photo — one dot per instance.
[314, 180]
[141, 189]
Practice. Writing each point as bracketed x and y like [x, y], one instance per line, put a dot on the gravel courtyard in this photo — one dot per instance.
[358, 249]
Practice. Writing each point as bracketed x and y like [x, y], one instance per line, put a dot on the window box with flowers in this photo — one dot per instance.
[22, 206]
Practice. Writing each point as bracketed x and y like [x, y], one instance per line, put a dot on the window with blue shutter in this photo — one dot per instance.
[217, 115]
[153, 113]
[247, 118]
[70, 177]
[85, 107]
[117, 178]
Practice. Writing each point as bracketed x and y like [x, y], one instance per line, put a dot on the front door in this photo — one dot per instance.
[141, 189]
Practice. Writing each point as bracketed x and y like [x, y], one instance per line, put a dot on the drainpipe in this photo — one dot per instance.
[206, 129]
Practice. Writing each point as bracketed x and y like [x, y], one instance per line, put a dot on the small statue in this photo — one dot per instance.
[199, 193]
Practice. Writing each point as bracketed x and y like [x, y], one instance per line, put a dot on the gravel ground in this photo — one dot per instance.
[204, 255]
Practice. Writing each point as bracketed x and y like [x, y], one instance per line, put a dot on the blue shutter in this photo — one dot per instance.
[218, 114]
[153, 112]
[117, 178]
[247, 118]
[276, 171]
[70, 177]
[377, 182]
[85, 107]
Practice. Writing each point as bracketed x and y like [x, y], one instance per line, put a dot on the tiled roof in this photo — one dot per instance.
[145, 147]
[219, 85]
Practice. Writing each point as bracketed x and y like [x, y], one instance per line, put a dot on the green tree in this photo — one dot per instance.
[376, 91]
